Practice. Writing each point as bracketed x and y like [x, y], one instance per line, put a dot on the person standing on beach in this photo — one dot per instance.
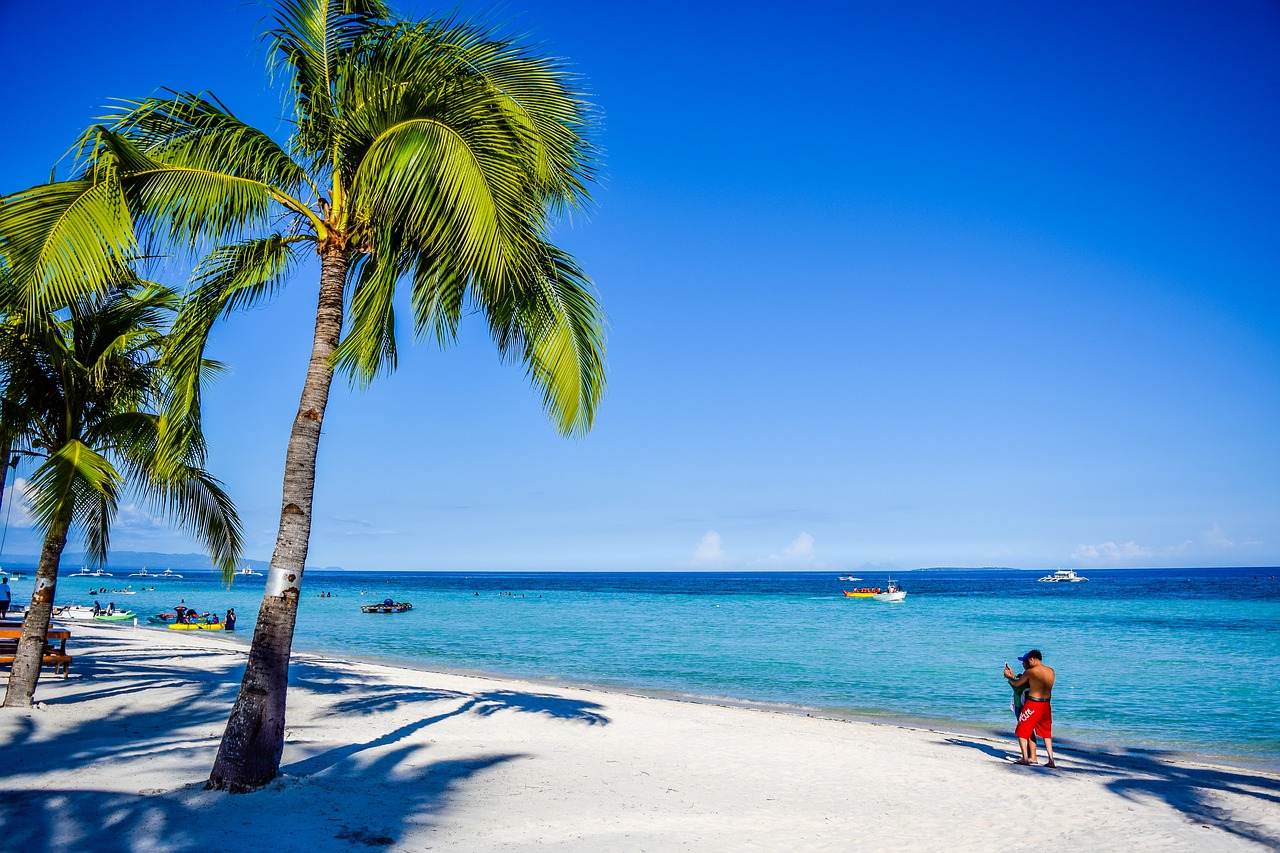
[1019, 693]
[1036, 717]
[6, 598]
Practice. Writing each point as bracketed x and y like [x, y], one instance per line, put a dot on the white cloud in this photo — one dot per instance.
[17, 503]
[1215, 538]
[131, 518]
[799, 554]
[1110, 553]
[708, 553]
[801, 548]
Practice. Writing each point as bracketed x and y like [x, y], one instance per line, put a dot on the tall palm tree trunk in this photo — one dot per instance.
[249, 756]
[29, 656]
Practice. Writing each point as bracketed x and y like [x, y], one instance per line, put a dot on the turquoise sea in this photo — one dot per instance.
[1170, 660]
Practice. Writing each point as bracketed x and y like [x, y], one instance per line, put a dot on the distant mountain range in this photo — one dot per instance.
[138, 559]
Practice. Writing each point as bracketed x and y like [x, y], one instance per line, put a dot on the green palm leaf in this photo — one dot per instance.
[76, 480]
[556, 328]
[61, 240]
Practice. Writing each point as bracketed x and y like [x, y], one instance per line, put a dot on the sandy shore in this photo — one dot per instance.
[382, 758]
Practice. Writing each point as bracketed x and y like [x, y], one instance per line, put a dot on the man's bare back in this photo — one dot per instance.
[1040, 677]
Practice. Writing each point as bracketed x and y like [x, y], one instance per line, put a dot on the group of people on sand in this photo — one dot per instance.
[1032, 690]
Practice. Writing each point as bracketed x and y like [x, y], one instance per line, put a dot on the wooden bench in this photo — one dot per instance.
[54, 655]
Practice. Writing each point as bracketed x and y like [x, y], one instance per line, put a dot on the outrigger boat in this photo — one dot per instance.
[197, 626]
[387, 606]
[1062, 576]
[892, 591]
[167, 573]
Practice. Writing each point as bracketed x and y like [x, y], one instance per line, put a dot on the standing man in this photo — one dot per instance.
[1036, 717]
[6, 598]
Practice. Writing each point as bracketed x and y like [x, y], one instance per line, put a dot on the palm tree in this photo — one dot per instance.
[82, 392]
[434, 154]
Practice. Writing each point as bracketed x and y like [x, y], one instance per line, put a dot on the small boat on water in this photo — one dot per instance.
[81, 613]
[849, 578]
[197, 626]
[892, 591]
[387, 606]
[1062, 576]
[248, 572]
[115, 616]
[167, 573]
[97, 573]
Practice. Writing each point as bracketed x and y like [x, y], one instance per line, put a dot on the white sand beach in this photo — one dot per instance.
[385, 758]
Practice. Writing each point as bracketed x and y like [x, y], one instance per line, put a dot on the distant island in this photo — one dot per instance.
[975, 569]
[138, 559]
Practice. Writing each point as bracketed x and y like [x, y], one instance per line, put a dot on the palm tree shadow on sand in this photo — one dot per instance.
[328, 814]
[358, 796]
[1186, 789]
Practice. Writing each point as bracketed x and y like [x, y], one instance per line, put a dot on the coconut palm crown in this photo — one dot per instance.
[436, 156]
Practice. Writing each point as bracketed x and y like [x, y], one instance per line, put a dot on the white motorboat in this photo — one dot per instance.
[167, 573]
[80, 613]
[96, 573]
[1062, 576]
[890, 592]
[142, 574]
[849, 578]
[248, 572]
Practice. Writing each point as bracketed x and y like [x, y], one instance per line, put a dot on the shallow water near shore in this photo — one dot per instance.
[1160, 660]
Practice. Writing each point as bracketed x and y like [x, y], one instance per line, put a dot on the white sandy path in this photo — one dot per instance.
[383, 758]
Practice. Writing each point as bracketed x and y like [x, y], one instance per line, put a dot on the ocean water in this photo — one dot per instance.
[1177, 660]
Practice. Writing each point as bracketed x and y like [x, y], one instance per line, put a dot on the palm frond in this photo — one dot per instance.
[310, 40]
[180, 204]
[450, 195]
[61, 240]
[78, 479]
[369, 345]
[193, 131]
[198, 503]
[234, 277]
[555, 327]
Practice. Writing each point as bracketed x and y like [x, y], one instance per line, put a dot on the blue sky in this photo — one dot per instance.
[907, 283]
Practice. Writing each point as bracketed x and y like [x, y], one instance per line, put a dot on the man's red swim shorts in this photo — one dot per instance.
[1036, 718]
